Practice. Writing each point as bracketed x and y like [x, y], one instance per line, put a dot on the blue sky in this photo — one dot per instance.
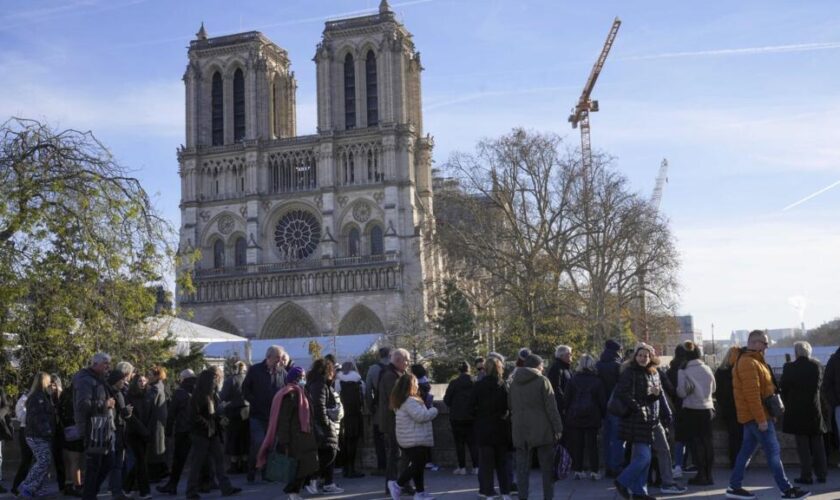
[741, 97]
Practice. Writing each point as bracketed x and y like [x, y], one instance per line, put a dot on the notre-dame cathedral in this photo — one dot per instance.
[307, 235]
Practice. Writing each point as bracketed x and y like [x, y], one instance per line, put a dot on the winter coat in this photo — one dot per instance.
[371, 382]
[831, 380]
[800, 385]
[90, 396]
[586, 401]
[259, 388]
[322, 397]
[299, 445]
[609, 368]
[492, 418]
[535, 419]
[40, 416]
[384, 414]
[458, 398]
[351, 390]
[695, 385]
[752, 382]
[559, 375]
[413, 422]
[142, 421]
[6, 430]
[156, 395]
[636, 388]
[178, 421]
[204, 417]
[724, 396]
[232, 395]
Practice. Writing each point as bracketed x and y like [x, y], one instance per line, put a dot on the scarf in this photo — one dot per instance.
[276, 403]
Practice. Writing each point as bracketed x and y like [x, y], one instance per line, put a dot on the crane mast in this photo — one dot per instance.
[585, 104]
[661, 179]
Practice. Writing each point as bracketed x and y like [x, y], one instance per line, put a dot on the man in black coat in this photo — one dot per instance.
[178, 425]
[609, 368]
[831, 387]
[560, 374]
[261, 383]
[800, 385]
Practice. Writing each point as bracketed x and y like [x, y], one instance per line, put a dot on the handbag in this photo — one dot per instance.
[280, 468]
[72, 433]
[616, 407]
[775, 406]
[100, 436]
[562, 462]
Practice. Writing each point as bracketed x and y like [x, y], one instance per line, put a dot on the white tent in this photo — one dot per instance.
[182, 330]
[344, 347]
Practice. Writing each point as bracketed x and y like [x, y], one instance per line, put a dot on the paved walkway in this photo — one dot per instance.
[444, 484]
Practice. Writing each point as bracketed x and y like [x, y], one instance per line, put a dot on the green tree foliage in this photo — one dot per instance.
[455, 324]
[82, 251]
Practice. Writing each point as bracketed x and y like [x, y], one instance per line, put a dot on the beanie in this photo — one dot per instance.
[533, 361]
[613, 345]
[115, 376]
[294, 374]
[524, 353]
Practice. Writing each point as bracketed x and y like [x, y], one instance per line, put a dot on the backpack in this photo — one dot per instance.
[351, 397]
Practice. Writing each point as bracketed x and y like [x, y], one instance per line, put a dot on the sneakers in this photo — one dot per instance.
[460, 471]
[690, 469]
[332, 488]
[622, 490]
[740, 494]
[394, 490]
[672, 489]
[422, 495]
[677, 472]
[594, 476]
[432, 467]
[796, 493]
[579, 475]
[312, 487]
[473, 471]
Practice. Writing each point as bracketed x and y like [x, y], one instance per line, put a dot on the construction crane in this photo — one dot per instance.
[655, 202]
[661, 179]
[585, 104]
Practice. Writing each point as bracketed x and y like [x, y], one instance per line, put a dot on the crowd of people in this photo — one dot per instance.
[127, 427]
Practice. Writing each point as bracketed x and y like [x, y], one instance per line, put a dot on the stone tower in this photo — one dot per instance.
[308, 235]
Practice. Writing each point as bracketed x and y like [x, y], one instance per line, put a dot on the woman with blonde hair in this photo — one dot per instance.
[725, 403]
[414, 434]
[40, 430]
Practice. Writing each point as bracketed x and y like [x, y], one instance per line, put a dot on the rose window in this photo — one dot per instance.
[297, 234]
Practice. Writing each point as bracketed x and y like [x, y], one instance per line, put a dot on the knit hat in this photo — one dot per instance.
[497, 356]
[524, 353]
[533, 361]
[612, 345]
[115, 376]
[418, 371]
[185, 374]
[647, 347]
[294, 374]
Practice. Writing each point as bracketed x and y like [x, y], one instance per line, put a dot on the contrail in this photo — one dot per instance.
[770, 49]
[812, 195]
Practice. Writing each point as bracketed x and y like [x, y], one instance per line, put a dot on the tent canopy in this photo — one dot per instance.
[344, 347]
[182, 330]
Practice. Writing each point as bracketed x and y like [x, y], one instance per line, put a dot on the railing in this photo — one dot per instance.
[297, 265]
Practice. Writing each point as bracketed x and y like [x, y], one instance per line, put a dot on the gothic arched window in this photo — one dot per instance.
[353, 242]
[377, 245]
[218, 254]
[217, 113]
[238, 105]
[372, 98]
[239, 252]
[349, 93]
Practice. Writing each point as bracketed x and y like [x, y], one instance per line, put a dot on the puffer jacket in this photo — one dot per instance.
[695, 385]
[457, 398]
[414, 424]
[637, 389]
[752, 382]
[322, 397]
[533, 409]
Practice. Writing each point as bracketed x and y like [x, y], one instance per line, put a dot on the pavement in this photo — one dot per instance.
[443, 484]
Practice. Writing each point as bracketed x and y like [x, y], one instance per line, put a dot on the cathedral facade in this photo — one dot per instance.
[309, 235]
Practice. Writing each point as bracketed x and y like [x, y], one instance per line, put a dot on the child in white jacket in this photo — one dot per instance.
[414, 434]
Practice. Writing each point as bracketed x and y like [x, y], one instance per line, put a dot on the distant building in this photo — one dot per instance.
[775, 334]
[685, 331]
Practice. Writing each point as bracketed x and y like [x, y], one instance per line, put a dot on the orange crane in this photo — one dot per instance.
[585, 104]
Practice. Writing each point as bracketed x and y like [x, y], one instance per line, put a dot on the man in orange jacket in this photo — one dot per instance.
[752, 383]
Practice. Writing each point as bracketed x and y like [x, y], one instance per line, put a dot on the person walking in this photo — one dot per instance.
[725, 399]
[371, 398]
[560, 374]
[536, 424]
[40, 429]
[695, 385]
[493, 432]
[290, 432]
[609, 369]
[138, 434]
[6, 431]
[413, 424]
[351, 391]
[321, 400]
[178, 425]
[92, 399]
[752, 383]
[158, 406]
[458, 398]
[261, 383]
[237, 410]
[800, 385]
[586, 405]
[385, 416]
[639, 389]
[206, 442]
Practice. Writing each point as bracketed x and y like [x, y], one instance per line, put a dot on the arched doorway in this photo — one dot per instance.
[360, 319]
[289, 321]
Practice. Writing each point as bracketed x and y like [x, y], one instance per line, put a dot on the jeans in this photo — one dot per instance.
[493, 459]
[33, 485]
[116, 479]
[634, 476]
[25, 459]
[464, 435]
[417, 458]
[613, 446]
[97, 468]
[663, 454]
[257, 428]
[679, 453]
[767, 439]
[545, 456]
[811, 451]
